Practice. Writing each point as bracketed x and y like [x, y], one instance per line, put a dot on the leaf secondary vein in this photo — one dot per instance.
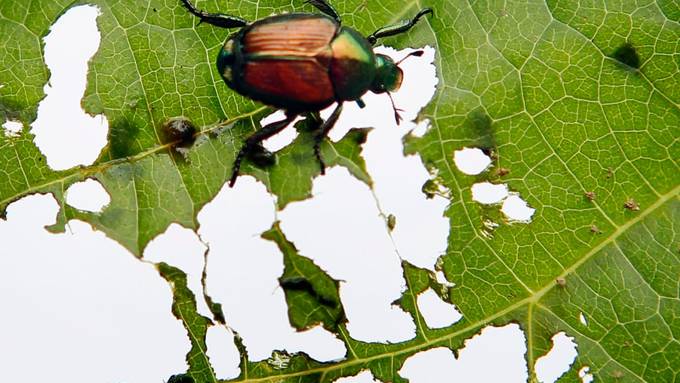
[596, 342]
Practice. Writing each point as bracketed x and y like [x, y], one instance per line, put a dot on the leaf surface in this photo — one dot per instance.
[570, 100]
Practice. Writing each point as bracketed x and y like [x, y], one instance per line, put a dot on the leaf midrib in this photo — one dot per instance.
[79, 173]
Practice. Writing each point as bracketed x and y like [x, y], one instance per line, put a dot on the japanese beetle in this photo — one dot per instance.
[302, 63]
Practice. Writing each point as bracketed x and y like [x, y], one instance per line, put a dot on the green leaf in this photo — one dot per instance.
[580, 106]
[184, 309]
[311, 294]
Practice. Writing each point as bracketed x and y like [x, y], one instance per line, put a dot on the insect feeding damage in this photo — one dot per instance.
[302, 63]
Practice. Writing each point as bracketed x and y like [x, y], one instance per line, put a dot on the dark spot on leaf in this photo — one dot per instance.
[122, 136]
[617, 374]
[391, 222]
[626, 54]
[359, 136]
[179, 132]
[9, 110]
[631, 205]
[595, 229]
[303, 285]
[300, 159]
[481, 124]
[503, 172]
[430, 189]
[610, 172]
[181, 378]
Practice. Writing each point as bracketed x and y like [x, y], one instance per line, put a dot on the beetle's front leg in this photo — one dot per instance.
[322, 132]
[217, 19]
[256, 139]
[396, 29]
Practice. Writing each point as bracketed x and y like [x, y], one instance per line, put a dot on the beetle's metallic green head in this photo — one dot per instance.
[388, 75]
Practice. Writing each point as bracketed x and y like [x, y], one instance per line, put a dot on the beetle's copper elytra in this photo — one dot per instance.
[302, 63]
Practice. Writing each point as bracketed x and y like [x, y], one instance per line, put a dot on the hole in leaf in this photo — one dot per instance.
[64, 133]
[421, 128]
[243, 272]
[362, 377]
[517, 209]
[471, 161]
[398, 179]
[349, 211]
[627, 54]
[494, 355]
[88, 195]
[223, 354]
[585, 376]
[489, 193]
[282, 139]
[70, 284]
[436, 312]
[582, 319]
[556, 362]
[182, 248]
[441, 279]
[12, 128]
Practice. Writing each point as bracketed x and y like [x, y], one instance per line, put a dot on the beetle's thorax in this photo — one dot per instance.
[352, 68]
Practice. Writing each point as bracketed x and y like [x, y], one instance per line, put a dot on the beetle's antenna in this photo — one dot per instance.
[397, 117]
[417, 53]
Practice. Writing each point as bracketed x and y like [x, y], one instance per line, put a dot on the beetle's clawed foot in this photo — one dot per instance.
[322, 165]
[257, 154]
[317, 154]
[397, 116]
[234, 176]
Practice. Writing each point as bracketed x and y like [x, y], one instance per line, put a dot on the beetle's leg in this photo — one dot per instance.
[255, 139]
[396, 29]
[323, 132]
[217, 19]
[326, 8]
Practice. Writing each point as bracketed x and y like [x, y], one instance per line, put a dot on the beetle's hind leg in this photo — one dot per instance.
[254, 141]
[326, 8]
[217, 19]
[321, 134]
[396, 29]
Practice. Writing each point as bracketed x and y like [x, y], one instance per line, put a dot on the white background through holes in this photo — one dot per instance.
[78, 300]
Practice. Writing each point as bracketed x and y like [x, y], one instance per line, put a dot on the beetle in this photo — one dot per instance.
[302, 63]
